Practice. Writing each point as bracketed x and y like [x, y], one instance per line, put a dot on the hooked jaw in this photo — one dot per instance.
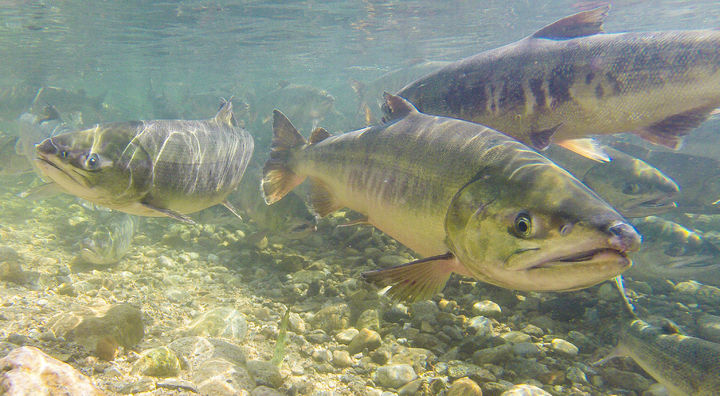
[623, 237]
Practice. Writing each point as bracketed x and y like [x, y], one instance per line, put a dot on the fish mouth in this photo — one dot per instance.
[593, 256]
[77, 177]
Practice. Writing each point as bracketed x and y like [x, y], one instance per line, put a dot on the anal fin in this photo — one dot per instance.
[416, 280]
[587, 147]
[670, 131]
[322, 200]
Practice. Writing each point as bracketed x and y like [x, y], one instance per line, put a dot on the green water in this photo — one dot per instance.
[103, 61]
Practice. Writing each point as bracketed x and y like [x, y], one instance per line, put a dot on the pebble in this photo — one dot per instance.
[464, 387]
[495, 355]
[347, 335]
[576, 375]
[29, 371]
[709, 327]
[365, 339]
[516, 337]
[369, 319]
[625, 379]
[564, 347]
[341, 359]
[482, 326]
[220, 322]
[222, 378]
[607, 292]
[332, 318]
[487, 308]
[157, 362]
[526, 349]
[264, 373]
[395, 375]
[525, 390]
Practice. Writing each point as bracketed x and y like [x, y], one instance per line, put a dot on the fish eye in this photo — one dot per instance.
[523, 225]
[631, 188]
[93, 161]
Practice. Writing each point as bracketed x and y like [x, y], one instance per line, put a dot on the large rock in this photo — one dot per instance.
[102, 331]
[29, 371]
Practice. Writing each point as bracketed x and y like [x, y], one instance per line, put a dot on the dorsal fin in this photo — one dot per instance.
[318, 135]
[584, 23]
[225, 114]
[396, 107]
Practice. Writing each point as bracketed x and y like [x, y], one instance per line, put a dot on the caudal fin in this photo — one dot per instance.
[278, 177]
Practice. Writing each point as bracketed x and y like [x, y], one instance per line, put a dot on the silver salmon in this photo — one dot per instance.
[151, 168]
[568, 81]
[469, 199]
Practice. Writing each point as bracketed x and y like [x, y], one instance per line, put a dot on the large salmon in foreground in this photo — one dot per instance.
[568, 81]
[470, 199]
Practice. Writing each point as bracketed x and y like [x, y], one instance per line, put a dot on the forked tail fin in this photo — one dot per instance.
[278, 177]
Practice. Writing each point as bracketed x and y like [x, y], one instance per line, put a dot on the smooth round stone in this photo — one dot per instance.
[392, 260]
[464, 387]
[709, 327]
[347, 335]
[482, 326]
[321, 355]
[526, 349]
[575, 375]
[157, 362]
[607, 292]
[220, 322]
[395, 375]
[332, 318]
[341, 359]
[222, 378]
[487, 308]
[525, 390]
[369, 319]
[564, 347]
[516, 337]
[264, 373]
[366, 339]
[496, 355]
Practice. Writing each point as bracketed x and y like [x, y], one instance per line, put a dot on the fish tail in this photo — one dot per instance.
[278, 176]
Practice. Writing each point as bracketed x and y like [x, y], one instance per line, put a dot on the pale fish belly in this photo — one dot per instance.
[378, 193]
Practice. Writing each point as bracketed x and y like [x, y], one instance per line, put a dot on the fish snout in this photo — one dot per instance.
[47, 147]
[624, 237]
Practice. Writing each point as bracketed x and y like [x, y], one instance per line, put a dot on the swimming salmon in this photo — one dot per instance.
[684, 365]
[470, 199]
[568, 81]
[630, 185]
[151, 168]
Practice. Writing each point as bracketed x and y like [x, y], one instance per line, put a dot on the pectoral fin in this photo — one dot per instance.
[540, 140]
[416, 280]
[361, 221]
[170, 213]
[231, 208]
[587, 147]
[42, 191]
